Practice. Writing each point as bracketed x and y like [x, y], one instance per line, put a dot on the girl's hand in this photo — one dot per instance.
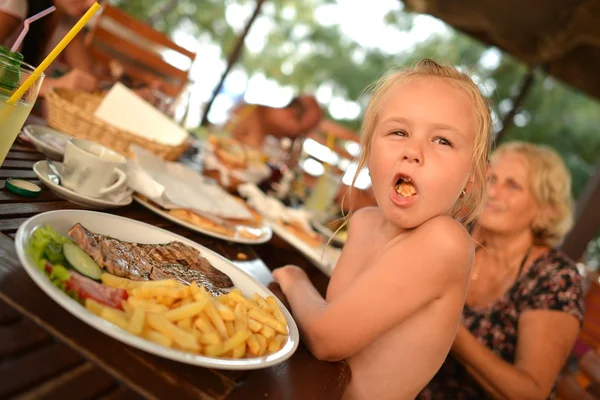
[276, 289]
[287, 275]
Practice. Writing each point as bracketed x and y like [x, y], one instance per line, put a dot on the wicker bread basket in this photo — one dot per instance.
[72, 112]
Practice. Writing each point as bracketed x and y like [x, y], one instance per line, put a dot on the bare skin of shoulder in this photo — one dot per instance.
[393, 304]
[400, 362]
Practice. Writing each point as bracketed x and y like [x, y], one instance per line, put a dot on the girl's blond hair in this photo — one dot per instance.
[470, 205]
[550, 183]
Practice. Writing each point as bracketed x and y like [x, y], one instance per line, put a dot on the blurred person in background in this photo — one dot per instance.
[252, 123]
[524, 305]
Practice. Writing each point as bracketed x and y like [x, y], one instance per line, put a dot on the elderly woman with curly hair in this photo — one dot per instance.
[524, 303]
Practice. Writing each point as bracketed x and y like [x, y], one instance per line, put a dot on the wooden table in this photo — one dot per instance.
[47, 353]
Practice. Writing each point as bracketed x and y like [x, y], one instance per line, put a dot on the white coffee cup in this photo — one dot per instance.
[90, 169]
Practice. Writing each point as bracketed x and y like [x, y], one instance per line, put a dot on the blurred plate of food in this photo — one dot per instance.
[184, 196]
[333, 231]
[293, 226]
[252, 230]
[232, 163]
[155, 290]
[47, 141]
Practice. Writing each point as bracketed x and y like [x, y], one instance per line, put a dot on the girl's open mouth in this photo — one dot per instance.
[405, 187]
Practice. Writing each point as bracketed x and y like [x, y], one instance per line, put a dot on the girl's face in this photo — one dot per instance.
[74, 8]
[421, 150]
[511, 206]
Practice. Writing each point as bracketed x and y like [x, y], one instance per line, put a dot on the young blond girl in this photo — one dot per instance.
[395, 298]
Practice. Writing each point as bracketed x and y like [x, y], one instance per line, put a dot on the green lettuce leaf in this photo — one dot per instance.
[45, 246]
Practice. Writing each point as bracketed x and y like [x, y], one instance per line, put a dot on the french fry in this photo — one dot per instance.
[94, 307]
[239, 351]
[277, 313]
[136, 323]
[159, 283]
[241, 318]
[147, 305]
[262, 303]
[216, 320]
[189, 318]
[276, 343]
[209, 338]
[202, 294]
[230, 328]
[186, 311]
[234, 341]
[194, 288]
[262, 341]
[225, 312]
[145, 292]
[239, 298]
[116, 317]
[127, 307]
[185, 324]
[253, 345]
[182, 338]
[267, 332]
[214, 350]
[157, 338]
[204, 325]
[117, 282]
[254, 325]
[167, 301]
[267, 319]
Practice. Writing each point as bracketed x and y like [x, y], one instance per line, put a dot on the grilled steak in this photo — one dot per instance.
[150, 261]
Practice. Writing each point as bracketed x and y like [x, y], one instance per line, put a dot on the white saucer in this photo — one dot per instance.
[47, 141]
[45, 174]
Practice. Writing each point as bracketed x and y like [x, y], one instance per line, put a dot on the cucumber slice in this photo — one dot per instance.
[81, 261]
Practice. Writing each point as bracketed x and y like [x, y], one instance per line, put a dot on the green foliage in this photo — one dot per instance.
[553, 113]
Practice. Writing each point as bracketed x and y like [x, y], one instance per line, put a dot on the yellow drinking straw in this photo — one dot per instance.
[53, 54]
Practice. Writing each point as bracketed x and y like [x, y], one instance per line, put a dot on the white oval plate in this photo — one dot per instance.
[135, 231]
[43, 172]
[47, 141]
[266, 232]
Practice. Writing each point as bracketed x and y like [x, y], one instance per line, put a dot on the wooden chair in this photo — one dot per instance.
[585, 383]
[139, 49]
[590, 332]
[582, 384]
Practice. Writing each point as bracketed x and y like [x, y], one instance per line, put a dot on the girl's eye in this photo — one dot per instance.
[514, 185]
[442, 141]
[399, 133]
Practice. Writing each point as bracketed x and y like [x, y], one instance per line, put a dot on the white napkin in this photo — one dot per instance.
[173, 185]
[124, 109]
[272, 208]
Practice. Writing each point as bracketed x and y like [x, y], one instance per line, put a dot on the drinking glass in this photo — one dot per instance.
[13, 73]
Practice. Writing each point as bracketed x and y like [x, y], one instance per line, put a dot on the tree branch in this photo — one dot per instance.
[507, 121]
[233, 58]
[168, 7]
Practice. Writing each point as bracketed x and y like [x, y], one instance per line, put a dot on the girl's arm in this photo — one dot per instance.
[403, 280]
[545, 339]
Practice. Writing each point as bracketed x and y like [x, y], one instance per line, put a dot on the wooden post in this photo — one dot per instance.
[232, 59]
[587, 219]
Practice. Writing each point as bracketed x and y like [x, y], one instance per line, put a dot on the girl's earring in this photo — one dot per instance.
[463, 193]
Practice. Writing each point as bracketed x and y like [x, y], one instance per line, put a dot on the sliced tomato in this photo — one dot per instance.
[86, 288]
